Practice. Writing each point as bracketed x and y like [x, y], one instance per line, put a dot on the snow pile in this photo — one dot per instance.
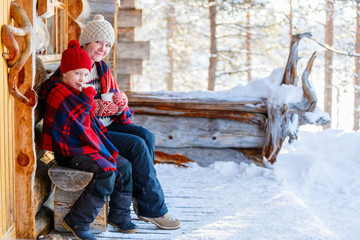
[322, 169]
[312, 192]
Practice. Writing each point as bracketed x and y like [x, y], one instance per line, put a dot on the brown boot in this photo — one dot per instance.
[166, 222]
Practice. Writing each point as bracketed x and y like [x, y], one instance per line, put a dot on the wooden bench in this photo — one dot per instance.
[69, 184]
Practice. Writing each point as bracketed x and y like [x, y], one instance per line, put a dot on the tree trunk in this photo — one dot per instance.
[290, 19]
[328, 58]
[248, 46]
[357, 71]
[213, 51]
[170, 41]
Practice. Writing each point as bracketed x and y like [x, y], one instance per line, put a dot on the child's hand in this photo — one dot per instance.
[105, 108]
[121, 100]
[89, 90]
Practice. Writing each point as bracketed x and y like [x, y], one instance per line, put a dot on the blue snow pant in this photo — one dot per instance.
[137, 144]
[117, 185]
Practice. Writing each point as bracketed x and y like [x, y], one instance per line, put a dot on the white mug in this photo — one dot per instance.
[107, 97]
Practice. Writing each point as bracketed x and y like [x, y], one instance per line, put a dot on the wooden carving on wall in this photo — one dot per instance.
[15, 59]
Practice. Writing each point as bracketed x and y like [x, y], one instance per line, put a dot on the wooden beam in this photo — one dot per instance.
[123, 81]
[102, 6]
[129, 66]
[44, 221]
[127, 4]
[125, 34]
[173, 132]
[133, 50]
[171, 104]
[63, 202]
[69, 179]
[129, 18]
[206, 156]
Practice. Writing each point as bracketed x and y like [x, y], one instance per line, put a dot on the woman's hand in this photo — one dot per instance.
[121, 100]
[105, 108]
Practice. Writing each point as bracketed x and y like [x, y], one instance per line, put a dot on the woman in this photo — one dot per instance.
[135, 143]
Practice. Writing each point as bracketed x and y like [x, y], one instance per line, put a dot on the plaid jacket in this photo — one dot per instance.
[71, 129]
[108, 84]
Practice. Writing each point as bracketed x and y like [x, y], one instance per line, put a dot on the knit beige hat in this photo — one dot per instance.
[97, 30]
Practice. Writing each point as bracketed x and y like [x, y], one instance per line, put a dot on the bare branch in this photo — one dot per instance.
[350, 54]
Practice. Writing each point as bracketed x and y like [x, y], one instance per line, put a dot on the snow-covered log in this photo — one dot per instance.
[210, 126]
[202, 129]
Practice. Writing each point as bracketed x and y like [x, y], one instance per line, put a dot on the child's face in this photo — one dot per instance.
[97, 50]
[76, 78]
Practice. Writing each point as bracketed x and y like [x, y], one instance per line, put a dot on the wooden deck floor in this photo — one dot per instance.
[188, 202]
[229, 201]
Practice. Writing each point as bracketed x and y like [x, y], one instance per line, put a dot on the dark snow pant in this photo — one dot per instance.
[116, 184]
[137, 144]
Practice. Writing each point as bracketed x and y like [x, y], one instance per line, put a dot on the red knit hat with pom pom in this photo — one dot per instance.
[74, 58]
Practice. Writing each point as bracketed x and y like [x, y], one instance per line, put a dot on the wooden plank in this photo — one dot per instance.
[4, 224]
[102, 6]
[133, 50]
[245, 117]
[10, 233]
[129, 66]
[125, 34]
[42, 185]
[44, 221]
[127, 4]
[63, 202]
[129, 18]
[206, 156]
[173, 132]
[159, 103]
[3, 157]
[69, 179]
[124, 81]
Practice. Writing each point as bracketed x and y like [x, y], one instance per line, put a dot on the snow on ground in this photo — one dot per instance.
[311, 192]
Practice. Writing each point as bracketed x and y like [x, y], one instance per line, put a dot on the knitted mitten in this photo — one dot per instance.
[90, 92]
[121, 100]
[105, 108]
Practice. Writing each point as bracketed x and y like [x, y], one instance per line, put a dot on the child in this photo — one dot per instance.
[80, 141]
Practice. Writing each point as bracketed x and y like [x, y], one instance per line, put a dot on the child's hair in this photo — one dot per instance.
[74, 58]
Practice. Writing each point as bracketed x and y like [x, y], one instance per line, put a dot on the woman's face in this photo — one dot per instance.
[76, 78]
[97, 50]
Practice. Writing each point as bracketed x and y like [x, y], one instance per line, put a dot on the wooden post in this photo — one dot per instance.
[25, 164]
[7, 163]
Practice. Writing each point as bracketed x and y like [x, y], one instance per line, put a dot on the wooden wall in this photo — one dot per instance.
[129, 53]
[7, 163]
